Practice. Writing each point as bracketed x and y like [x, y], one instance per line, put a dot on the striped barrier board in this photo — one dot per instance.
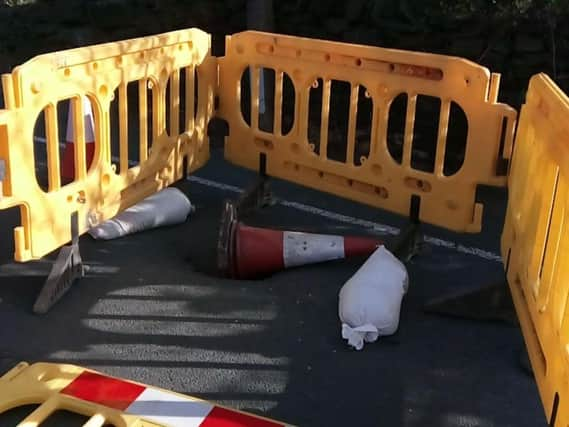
[108, 400]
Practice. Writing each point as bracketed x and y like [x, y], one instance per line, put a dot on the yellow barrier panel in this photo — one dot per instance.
[535, 239]
[105, 401]
[385, 174]
[156, 68]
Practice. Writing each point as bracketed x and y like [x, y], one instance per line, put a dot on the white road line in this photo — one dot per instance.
[377, 227]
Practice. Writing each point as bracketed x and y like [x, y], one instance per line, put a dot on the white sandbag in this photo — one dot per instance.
[370, 302]
[167, 207]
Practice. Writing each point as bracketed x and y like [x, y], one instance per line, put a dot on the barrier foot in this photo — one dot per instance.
[67, 268]
[408, 243]
[225, 243]
[488, 303]
[256, 197]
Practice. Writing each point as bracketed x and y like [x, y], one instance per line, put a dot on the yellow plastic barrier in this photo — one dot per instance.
[380, 75]
[106, 401]
[535, 240]
[102, 74]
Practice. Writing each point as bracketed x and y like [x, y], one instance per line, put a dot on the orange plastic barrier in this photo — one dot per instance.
[336, 148]
[535, 240]
[103, 76]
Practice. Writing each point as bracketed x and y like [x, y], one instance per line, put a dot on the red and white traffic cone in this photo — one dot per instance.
[68, 162]
[247, 252]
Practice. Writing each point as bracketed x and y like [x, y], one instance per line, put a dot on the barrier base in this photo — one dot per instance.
[487, 303]
[408, 243]
[256, 197]
[225, 246]
[68, 267]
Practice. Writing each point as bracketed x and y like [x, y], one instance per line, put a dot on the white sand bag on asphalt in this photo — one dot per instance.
[167, 207]
[370, 302]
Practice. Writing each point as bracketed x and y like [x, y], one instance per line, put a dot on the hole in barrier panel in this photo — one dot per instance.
[189, 87]
[245, 95]
[553, 418]
[457, 137]
[61, 418]
[547, 248]
[168, 107]
[182, 100]
[196, 97]
[14, 416]
[363, 126]
[288, 105]
[114, 125]
[9, 218]
[133, 123]
[315, 114]
[64, 418]
[266, 99]
[40, 152]
[565, 306]
[89, 122]
[151, 91]
[62, 140]
[396, 127]
[502, 166]
[185, 166]
[425, 133]
[415, 208]
[338, 122]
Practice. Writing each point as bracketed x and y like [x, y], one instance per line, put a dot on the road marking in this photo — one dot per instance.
[375, 226]
[335, 216]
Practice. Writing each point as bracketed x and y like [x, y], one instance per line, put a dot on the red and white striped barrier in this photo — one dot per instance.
[158, 406]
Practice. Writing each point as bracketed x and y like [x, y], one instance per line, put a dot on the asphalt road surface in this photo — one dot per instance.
[151, 310]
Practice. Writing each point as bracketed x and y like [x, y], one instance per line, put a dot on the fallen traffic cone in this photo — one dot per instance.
[68, 163]
[246, 252]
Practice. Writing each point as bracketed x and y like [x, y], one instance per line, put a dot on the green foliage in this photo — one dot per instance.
[14, 3]
[503, 9]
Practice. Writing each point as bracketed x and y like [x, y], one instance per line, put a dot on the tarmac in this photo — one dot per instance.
[152, 309]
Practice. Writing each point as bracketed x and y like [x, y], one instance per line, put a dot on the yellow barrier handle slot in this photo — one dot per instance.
[442, 138]
[175, 104]
[352, 124]
[123, 127]
[190, 99]
[409, 126]
[143, 119]
[52, 142]
[278, 110]
[325, 118]
[79, 136]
